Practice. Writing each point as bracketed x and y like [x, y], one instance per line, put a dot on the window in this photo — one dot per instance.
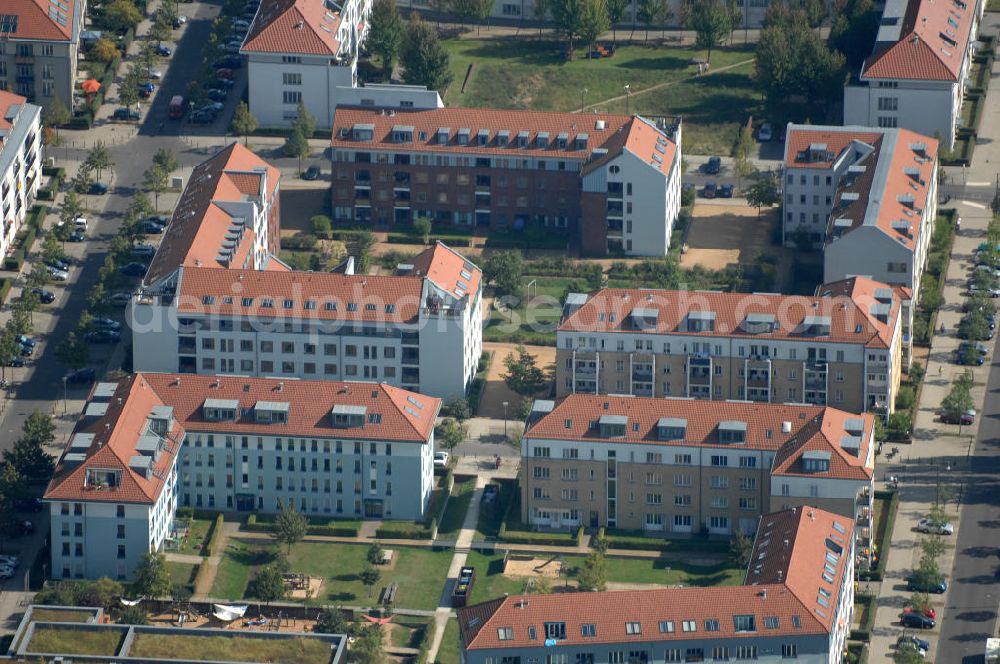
[291, 79]
[744, 623]
[689, 625]
[292, 96]
[633, 628]
[789, 651]
[666, 627]
[720, 460]
[711, 625]
[746, 652]
[888, 103]
[771, 622]
[720, 653]
[588, 629]
[505, 633]
[555, 630]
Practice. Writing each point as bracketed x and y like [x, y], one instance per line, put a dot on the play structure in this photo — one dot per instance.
[228, 612]
[532, 567]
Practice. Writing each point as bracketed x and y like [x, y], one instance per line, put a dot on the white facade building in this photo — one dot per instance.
[918, 72]
[20, 163]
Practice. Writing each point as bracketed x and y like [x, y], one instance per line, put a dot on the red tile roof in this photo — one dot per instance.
[935, 38]
[799, 138]
[448, 269]
[784, 597]
[826, 434]
[612, 133]
[403, 416]
[305, 27]
[7, 101]
[200, 222]
[611, 310]
[40, 20]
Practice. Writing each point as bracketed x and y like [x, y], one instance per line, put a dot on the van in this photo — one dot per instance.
[80, 223]
[176, 108]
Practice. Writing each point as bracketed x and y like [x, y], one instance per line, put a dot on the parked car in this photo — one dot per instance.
[233, 47]
[27, 341]
[441, 459]
[154, 74]
[97, 189]
[916, 641]
[58, 263]
[241, 23]
[975, 289]
[163, 51]
[17, 361]
[764, 134]
[146, 90]
[24, 505]
[120, 298]
[930, 526]
[124, 114]
[144, 249]
[917, 621]
[202, 117]
[713, 166]
[220, 84]
[312, 173]
[56, 274]
[77, 236]
[710, 189]
[214, 108]
[83, 376]
[26, 351]
[44, 296]
[134, 269]
[490, 493]
[980, 347]
[8, 560]
[216, 94]
[914, 585]
[102, 323]
[6, 572]
[966, 418]
[969, 360]
[229, 62]
[179, 21]
[929, 611]
[102, 337]
[151, 227]
[909, 650]
[25, 528]
[725, 191]
[225, 72]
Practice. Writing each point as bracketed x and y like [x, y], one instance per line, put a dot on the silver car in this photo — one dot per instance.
[929, 526]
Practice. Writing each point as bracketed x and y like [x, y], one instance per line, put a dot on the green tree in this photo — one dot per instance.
[296, 145]
[13, 485]
[523, 375]
[375, 554]
[711, 20]
[103, 592]
[974, 326]
[369, 577]
[162, 29]
[57, 114]
[593, 21]
[762, 193]
[8, 350]
[83, 179]
[128, 94]
[321, 225]
[504, 269]
[740, 549]
[568, 17]
[290, 526]
[73, 353]
[928, 573]
[449, 433]
[424, 60]
[385, 36]
[305, 121]
[99, 159]
[70, 209]
[422, 228]
[919, 602]
[958, 401]
[121, 15]
[593, 575]
[39, 428]
[540, 12]
[616, 12]
[244, 122]
[331, 620]
[368, 647]
[458, 408]
[907, 653]
[269, 585]
[132, 615]
[166, 159]
[152, 577]
[933, 546]
[104, 50]
[155, 179]
[853, 30]
[651, 12]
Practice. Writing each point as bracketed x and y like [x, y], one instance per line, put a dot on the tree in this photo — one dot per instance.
[321, 225]
[523, 376]
[104, 50]
[13, 485]
[450, 433]
[711, 20]
[155, 180]
[375, 554]
[504, 270]
[39, 428]
[593, 575]
[742, 165]
[305, 121]
[762, 193]
[541, 12]
[853, 30]
[424, 60]
[974, 326]
[180, 593]
[128, 94]
[103, 592]
[958, 401]
[422, 227]
[933, 546]
[57, 114]
[568, 16]
[616, 12]
[70, 208]
[367, 647]
[83, 179]
[99, 159]
[8, 350]
[244, 122]
[290, 526]
[331, 621]
[593, 21]
[907, 653]
[166, 159]
[73, 353]
[456, 407]
[296, 145]
[121, 15]
[740, 549]
[162, 29]
[152, 577]
[385, 36]
[132, 615]
[370, 576]
[269, 585]
[650, 12]
[928, 573]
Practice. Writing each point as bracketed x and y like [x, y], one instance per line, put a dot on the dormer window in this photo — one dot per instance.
[701, 321]
[542, 140]
[220, 410]
[562, 140]
[483, 137]
[612, 426]
[581, 141]
[732, 431]
[523, 138]
[402, 134]
[503, 138]
[348, 417]
[442, 135]
[463, 136]
[816, 461]
[271, 412]
[671, 428]
[363, 132]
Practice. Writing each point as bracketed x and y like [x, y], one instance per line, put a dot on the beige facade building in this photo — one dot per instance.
[679, 466]
[842, 349]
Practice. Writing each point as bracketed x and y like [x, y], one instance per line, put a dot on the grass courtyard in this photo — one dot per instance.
[182, 574]
[448, 654]
[76, 642]
[237, 648]
[196, 541]
[419, 572]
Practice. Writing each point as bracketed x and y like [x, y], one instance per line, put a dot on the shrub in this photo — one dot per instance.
[216, 539]
[5, 285]
[321, 225]
[299, 243]
[905, 398]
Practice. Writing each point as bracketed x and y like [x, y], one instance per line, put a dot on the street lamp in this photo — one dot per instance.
[583, 98]
[628, 98]
[64, 393]
[505, 404]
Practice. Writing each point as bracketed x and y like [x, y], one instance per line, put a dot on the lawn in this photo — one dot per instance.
[419, 572]
[197, 538]
[458, 505]
[448, 652]
[490, 515]
[182, 574]
[231, 648]
[76, 641]
[61, 615]
[408, 631]
[535, 319]
[532, 74]
[490, 581]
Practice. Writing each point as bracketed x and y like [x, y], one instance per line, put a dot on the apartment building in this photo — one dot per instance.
[153, 441]
[796, 603]
[836, 350]
[20, 163]
[302, 51]
[917, 74]
[692, 467]
[611, 182]
[40, 48]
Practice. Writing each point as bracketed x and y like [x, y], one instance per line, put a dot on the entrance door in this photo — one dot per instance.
[373, 509]
[593, 519]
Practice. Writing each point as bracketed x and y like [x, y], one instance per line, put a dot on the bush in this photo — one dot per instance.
[5, 285]
[299, 243]
[905, 398]
[264, 523]
[216, 538]
[321, 225]
[688, 196]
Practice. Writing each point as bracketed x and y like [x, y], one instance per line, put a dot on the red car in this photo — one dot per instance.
[224, 73]
[929, 612]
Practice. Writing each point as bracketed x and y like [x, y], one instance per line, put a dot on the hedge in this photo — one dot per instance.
[324, 528]
[864, 632]
[215, 540]
[407, 530]
[883, 545]
[402, 238]
[425, 643]
[57, 176]
[625, 540]
[541, 539]
[5, 285]
[36, 216]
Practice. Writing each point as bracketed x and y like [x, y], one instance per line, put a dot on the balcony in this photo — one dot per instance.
[24, 59]
[25, 79]
[878, 367]
[586, 386]
[642, 376]
[585, 370]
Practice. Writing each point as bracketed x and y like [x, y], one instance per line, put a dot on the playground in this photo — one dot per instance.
[533, 567]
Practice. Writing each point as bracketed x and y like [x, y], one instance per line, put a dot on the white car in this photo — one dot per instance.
[928, 526]
[155, 74]
[80, 223]
[764, 134]
[441, 459]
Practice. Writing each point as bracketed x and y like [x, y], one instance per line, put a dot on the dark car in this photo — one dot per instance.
[713, 166]
[151, 227]
[965, 346]
[58, 263]
[202, 117]
[965, 419]
[917, 621]
[26, 351]
[77, 236]
[83, 376]
[229, 62]
[969, 359]
[311, 173]
[214, 108]
[29, 505]
[98, 189]
[146, 90]
[125, 114]
[134, 269]
[915, 585]
[725, 191]
[710, 190]
[163, 51]
[917, 642]
[44, 296]
[225, 72]
[216, 94]
[17, 361]
[103, 337]
[219, 84]
[964, 333]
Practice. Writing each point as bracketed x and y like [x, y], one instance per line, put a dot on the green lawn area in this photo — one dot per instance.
[61, 615]
[197, 539]
[76, 642]
[407, 631]
[237, 648]
[535, 320]
[182, 573]
[419, 572]
[458, 505]
[448, 653]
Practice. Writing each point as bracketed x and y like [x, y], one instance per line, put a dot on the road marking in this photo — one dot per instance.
[975, 205]
[978, 184]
